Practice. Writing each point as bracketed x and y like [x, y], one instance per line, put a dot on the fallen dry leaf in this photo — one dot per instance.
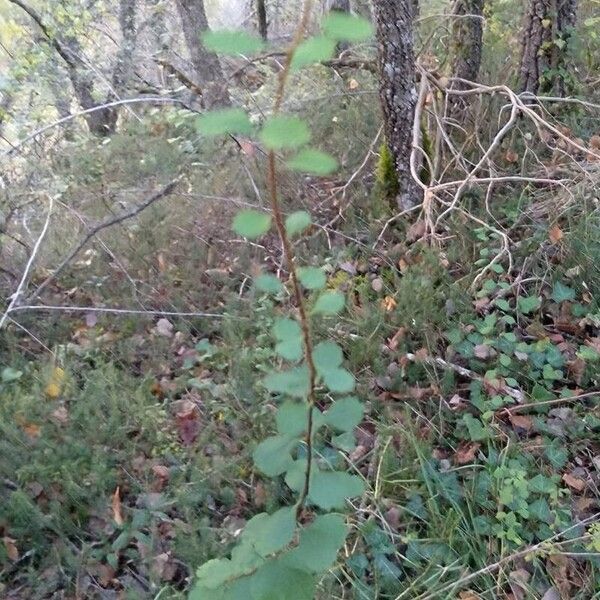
[54, 386]
[574, 482]
[416, 231]
[555, 234]
[60, 415]
[353, 84]
[116, 507]
[188, 422]
[511, 156]
[164, 567]
[521, 421]
[164, 327]
[11, 549]
[466, 453]
[389, 304]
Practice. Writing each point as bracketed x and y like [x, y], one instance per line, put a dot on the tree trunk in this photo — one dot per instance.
[394, 24]
[261, 15]
[465, 49]
[124, 66]
[207, 69]
[544, 45]
[100, 122]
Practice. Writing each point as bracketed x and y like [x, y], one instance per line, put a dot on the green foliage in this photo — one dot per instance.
[227, 120]
[313, 161]
[297, 222]
[343, 27]
[252, 223]
[284, 132]
[387, 178]
[312, 50]
[232, 42]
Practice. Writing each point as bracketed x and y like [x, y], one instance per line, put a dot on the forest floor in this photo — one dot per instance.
[126, 440]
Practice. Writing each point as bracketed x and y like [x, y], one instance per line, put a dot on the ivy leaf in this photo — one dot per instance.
[329, 489]
[345, 414]
[339, 381]
[251, 223]
[292, 418]
[314, 162]
[327, 356]
[344, 27]
[294, 382]
[297, 222]
[284, 132]
[477, 432]
[312, 278]
[562, 293]
[329, 303]
[319, 544]
[268, 283]
[271, 533]
[214, 573]
[220, 122]
[588, 354]
[232, 43]
[313, 50]
[272, 456]
[529, 304]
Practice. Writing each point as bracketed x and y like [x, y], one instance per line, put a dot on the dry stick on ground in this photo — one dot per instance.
[23, 282]
[92, 232]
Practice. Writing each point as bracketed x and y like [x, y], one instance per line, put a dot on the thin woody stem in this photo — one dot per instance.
[288, 252]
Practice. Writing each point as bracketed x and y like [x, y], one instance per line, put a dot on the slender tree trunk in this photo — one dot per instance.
[261, 15]
[124, 66]
[207, 69]
[68, 48]
[465, 49]
[394, 24]
[544, 45]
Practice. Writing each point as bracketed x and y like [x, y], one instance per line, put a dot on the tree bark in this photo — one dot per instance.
[261, 15]
[123, 70]
[394, 25]
[100, 122]
[544, 45]
[467, 39]
[207, 68]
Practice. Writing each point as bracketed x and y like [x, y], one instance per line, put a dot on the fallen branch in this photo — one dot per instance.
[92, 232]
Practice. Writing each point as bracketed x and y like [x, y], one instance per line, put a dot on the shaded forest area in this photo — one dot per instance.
[300, 300]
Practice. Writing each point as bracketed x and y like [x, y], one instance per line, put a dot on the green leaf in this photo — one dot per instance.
[541, 484]
[319, 544]
[313, 50]
[339, 381]
[329, 303]
[277, 581]
[294, 382]
[502, 304]
[220, 122]
[330, 489]
[314, 162]
[289, 334]
[345, 414]
[232, 42]
[251, 223]
[297, 222]
[272, 456]
[529, 304]
[296, 475]
[588, 354]
[327, 356]
[344, 27]
[268, 283]
[282, 132]
[312, 278]
[562, 293]
[477, 432]
[9, 375]
[214, 573]
[345, 441]
[270, 533]
[292, 418]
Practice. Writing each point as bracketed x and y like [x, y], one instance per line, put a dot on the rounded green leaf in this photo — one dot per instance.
[329, 303]
[294, 382]
[319, 544]
[272, 456]
[276, 581]
[345, 414]
[345, 27]
[330, 489]
[313, 161]
[251, 223]
[312, 278]
[284, 132]
[227, 120]
[232, 42]
[268, 283]
[290, 349]
[271, 533]
[286, 329]
[339, 381]
[313, 50]
[297, 222]
[327, 356]
[292, 418]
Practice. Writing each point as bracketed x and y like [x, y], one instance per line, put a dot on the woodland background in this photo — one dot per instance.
[462, 226]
